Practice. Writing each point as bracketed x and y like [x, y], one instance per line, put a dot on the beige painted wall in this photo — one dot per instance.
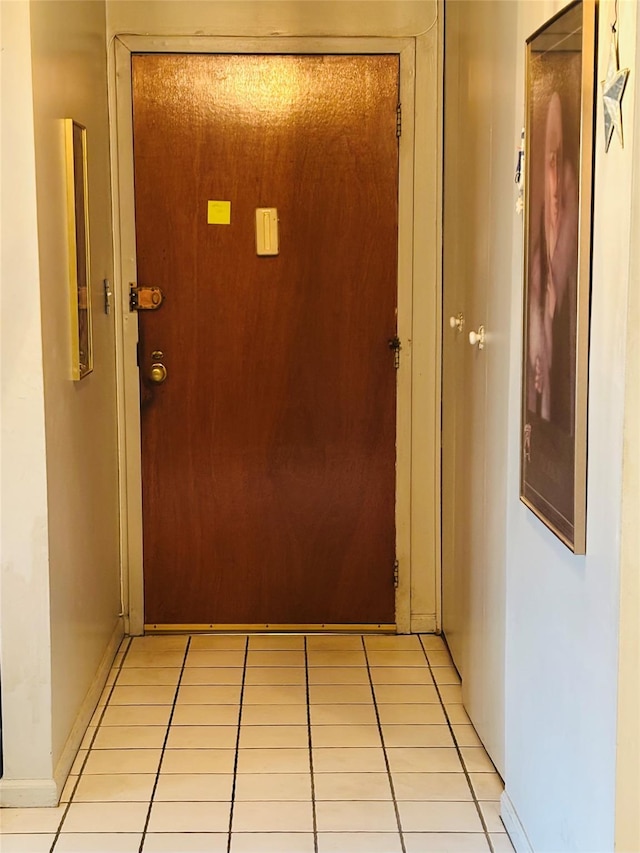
[628, 763]
[70, 80]
[24, 570]
[57, 634]
[271, 17]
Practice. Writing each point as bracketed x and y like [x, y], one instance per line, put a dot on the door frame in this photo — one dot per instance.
[417, 513]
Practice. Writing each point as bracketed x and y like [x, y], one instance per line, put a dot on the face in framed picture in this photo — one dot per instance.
[560, 64]
[553, 268]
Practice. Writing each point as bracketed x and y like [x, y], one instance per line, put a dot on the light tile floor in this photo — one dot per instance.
[293, 744]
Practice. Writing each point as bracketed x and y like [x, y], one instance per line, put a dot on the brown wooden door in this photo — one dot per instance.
[268, 454]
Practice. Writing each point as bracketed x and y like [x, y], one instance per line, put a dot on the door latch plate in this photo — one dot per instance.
[395, 346]
[145, 298]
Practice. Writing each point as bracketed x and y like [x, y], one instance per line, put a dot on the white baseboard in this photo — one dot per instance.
[23, 793]
[423, 623]
[515, 829]
[36, 793]
[87, 709]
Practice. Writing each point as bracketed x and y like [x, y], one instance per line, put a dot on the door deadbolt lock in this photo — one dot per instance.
[158, 373]
[145, 298]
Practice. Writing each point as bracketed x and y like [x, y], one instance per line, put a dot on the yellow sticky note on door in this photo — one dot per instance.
[219, 213]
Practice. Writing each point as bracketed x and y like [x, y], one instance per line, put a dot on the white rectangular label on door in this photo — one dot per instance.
[267, 231]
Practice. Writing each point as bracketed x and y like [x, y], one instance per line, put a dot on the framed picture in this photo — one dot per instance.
[78, 231]
[560, 75]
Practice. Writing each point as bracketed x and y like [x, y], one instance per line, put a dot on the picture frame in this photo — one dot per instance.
[559, 134]
[79, 255]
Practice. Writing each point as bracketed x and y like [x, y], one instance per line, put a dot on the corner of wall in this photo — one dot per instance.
[69, 70]
[628, 741]
[87, 709]
[25, 661]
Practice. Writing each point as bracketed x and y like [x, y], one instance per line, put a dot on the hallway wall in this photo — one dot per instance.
[24, 571]
[60, 569]
[69, 80]
[563, 610]
[271, 17]
[628, 764]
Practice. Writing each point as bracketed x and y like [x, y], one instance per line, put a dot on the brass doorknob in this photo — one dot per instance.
[158, 373]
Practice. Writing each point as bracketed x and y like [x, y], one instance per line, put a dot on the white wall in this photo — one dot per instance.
[24, 570]
[562, 744]
[60, 571]
[563, 610]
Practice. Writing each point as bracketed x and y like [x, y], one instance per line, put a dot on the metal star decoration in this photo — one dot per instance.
[612, 91]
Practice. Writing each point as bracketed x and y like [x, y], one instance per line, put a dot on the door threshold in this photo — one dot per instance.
[271, 627]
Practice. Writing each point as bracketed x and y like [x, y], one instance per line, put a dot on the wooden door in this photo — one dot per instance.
[477, 228]
[268, 454]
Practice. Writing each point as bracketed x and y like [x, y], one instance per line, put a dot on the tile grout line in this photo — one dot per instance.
[430, 668]
[313, 784]
[458, 750]
[384, 748]
[237, 755]
[164, 745]
[86, 758]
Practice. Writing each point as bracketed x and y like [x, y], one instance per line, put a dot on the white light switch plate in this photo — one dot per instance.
[267, 231]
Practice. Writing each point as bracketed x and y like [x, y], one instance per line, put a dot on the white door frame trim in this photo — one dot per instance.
[419, 307]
